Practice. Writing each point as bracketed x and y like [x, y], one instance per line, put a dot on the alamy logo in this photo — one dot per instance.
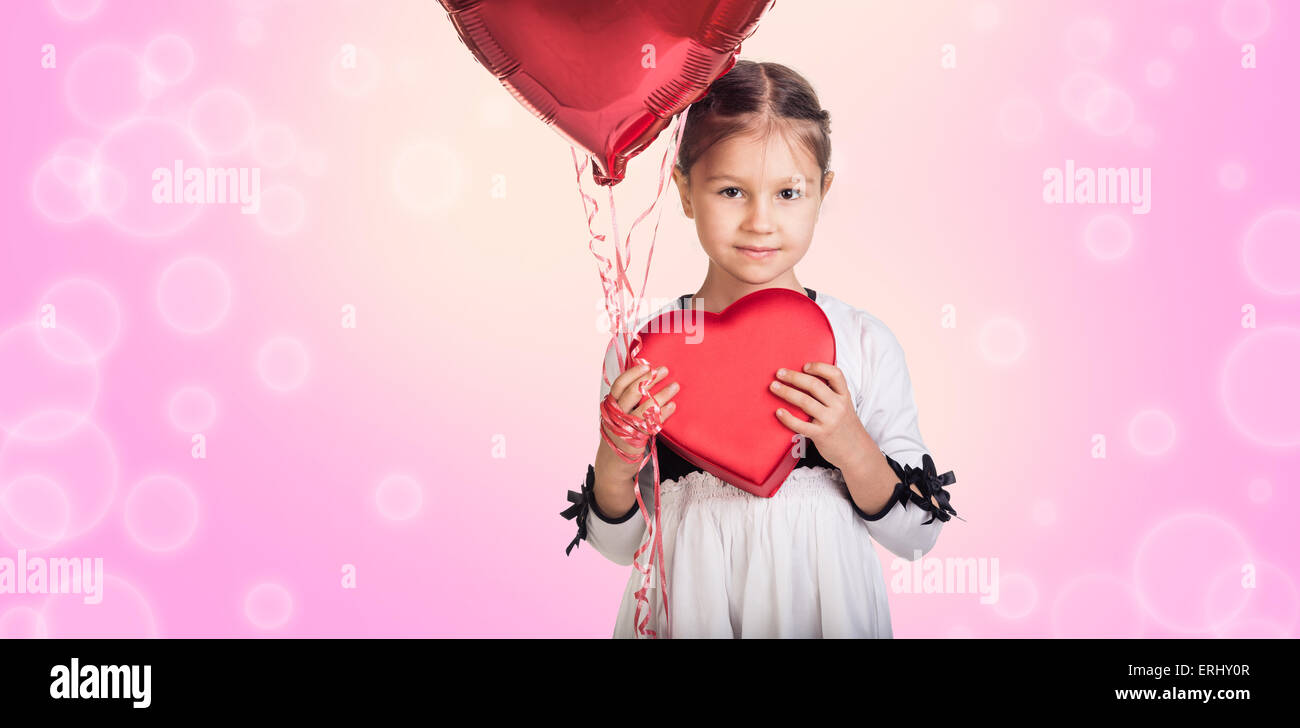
[689, 320]
[208, 185]
[101, 681]
[53, 575]
[1101, 186]
[933, 575]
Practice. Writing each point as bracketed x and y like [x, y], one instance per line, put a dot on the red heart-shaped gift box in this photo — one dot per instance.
[725, 421]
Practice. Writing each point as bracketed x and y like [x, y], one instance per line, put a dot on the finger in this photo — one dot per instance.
[798, 398]
[794, 423]
[808, 383]
[632, 395]
[831, 374]
[635, 399]
[662, 397]
[667, 412]
[620, 384]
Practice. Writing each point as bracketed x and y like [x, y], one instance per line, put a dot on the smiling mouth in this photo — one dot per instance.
[757, 253]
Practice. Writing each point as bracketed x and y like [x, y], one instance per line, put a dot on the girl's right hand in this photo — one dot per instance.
[626, 392]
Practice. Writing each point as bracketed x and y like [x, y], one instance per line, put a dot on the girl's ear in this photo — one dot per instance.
[684, 191]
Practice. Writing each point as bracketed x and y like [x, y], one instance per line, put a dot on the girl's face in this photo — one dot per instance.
[754, 213]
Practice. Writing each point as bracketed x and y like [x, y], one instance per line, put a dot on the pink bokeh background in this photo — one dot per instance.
[430, 446]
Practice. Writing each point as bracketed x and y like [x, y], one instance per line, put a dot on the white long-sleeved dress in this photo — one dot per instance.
[798, 564]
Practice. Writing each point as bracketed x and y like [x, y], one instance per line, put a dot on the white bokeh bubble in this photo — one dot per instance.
[22, 623]
[1090, 40]
[122, 613]
[1109, 111]
[48, 382]
[82, 464]
[428, 177]
[985, 16]
[1159, 72]
[76, 148]
[88, 310]
[134, 151]
[1271, 252]
[1151, 432]
[1270, 595]
[1245, 19]
[1017, 596]
[76, 10]
[1259, 389]
[1096, 606]
[35, 510]
[399, 497]
[283, 363]
[192, 409]
[102, 86]
[169, 58]
[1108, 236]
[222, 120]
[1002, 340]
[282, 210]
[109, 190]
[1260, 490]
[359, 80]
[1020, 120]
[150, 87]
[274, 145]
[1181, 37]
[1076, 90]
[1232, 176]
[63, 189]
[193, 295]
[1176, 564]
[161, 513]
[268, 606]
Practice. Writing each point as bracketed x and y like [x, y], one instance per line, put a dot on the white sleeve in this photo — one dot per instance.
[616, 537]
[887, 409]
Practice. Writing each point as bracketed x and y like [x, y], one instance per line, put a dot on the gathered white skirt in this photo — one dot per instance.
[800, 564]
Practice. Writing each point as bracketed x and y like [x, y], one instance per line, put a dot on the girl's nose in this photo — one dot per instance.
[760, 217]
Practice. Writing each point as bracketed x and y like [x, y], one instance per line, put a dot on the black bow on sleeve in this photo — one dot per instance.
[925, 488]
[581, 507]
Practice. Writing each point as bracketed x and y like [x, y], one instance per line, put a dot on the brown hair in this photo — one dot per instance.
[755, 97]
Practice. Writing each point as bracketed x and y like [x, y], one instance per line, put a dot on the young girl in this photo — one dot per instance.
[752, 171]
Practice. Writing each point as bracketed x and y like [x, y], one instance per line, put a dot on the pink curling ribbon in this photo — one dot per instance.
[634, 431]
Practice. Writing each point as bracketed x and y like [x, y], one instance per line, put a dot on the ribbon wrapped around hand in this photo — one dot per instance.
[637, 432]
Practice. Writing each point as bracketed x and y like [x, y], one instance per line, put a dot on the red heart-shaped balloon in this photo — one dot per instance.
[607, 74]
[725, 420]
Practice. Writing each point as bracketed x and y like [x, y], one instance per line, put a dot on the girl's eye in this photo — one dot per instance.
[796, 193]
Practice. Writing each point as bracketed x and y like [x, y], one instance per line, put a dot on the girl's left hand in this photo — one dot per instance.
[835, 427]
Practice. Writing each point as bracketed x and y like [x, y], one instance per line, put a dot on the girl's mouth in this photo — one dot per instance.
[758, 253]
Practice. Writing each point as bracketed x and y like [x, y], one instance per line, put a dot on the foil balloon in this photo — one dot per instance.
[608, 75]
